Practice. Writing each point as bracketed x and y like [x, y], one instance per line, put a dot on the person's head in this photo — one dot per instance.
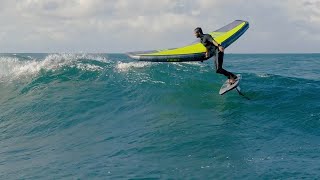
[198, 32]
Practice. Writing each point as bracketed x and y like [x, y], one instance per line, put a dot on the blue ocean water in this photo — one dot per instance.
[105, 116]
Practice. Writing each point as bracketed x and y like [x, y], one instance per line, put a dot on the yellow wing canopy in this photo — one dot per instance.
[194, 52]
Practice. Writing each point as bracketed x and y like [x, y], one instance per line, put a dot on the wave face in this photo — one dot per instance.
[106, 116]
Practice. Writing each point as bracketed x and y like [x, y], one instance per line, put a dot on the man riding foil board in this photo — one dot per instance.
[216, 50]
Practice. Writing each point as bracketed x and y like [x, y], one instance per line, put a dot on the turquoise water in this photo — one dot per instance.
[104, 116]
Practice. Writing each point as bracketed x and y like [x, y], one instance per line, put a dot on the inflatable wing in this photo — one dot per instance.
[195, 51]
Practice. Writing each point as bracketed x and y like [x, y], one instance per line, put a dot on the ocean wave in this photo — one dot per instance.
[13, 68]
[109, 119]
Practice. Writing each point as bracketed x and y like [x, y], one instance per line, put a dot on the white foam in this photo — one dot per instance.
[157, 82]
[263, 75]
[13, 68]
[194, 63]
[88, 67]
[124, 67]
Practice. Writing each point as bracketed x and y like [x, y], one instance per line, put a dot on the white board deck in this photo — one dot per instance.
[226, 87]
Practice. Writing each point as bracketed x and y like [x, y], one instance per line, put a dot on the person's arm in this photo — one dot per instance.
[208, 38]
[207, 52]
[218, 45]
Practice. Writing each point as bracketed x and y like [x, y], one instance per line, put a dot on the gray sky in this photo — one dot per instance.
[129, 25]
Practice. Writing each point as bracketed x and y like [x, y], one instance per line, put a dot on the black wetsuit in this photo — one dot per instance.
[206, 40]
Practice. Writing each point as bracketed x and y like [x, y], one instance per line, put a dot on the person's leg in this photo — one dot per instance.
[218, 64]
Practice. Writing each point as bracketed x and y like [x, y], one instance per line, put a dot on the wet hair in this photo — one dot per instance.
[198, 30]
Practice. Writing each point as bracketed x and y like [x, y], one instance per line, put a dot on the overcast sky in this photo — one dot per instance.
[113, 26]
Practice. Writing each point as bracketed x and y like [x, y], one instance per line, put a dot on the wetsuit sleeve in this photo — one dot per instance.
[212, 40]
[209, 38]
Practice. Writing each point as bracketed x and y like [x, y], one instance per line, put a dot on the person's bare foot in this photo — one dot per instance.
[232, 81]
